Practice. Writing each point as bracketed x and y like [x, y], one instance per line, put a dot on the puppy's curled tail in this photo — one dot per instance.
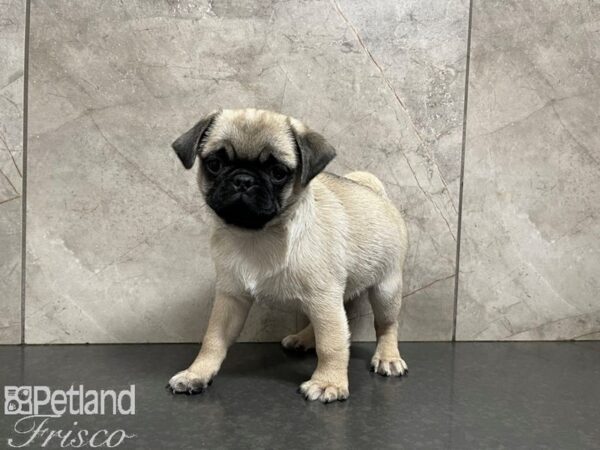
[369, 180]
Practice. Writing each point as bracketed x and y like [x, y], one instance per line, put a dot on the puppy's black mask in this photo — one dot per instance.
[245, 193]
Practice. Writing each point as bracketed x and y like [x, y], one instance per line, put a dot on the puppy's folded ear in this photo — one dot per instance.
[186, 146]
[314, 152]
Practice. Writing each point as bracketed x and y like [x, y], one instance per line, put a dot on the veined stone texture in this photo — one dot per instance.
[530, 253]
[117, 244]
[12, 39]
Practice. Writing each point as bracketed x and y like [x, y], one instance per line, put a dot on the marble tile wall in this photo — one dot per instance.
[116, 236]
[12, 42]
[117, 245]
[530, 254]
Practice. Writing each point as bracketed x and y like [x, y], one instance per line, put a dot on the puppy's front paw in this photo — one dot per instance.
[188, 382]
[389, 367]
[324, 391]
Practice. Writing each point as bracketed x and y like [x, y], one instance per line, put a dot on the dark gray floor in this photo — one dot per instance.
[467, 395]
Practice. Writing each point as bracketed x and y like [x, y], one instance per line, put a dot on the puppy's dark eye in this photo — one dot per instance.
[278, 173]
[213, 165]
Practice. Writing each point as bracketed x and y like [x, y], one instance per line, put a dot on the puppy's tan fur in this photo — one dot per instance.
[336, 237]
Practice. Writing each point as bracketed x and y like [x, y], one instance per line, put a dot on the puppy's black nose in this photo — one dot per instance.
[243, 181]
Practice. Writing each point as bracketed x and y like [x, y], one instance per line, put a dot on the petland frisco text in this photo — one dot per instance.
[39, 406]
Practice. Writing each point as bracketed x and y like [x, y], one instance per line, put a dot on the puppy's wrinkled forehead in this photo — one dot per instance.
[253, 135]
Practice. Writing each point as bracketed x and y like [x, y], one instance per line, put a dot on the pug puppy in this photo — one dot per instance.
[285, 231]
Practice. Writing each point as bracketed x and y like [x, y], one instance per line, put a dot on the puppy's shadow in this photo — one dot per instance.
[273, 362]
[362, 352]
[270, 362]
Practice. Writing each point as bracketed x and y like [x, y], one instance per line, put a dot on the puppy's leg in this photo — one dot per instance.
[329, 381]
[224, 326]
[386, 300]
[302, 341]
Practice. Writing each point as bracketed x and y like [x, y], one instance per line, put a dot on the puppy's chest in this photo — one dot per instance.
[276, 285]
[272, 278]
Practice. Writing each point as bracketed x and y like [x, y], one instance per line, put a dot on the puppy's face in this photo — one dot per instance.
[252, 163]
[245, 192]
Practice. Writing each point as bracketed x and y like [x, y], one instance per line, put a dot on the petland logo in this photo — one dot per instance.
[39, 405]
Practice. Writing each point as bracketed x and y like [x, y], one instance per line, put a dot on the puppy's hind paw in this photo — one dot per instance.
[389, 367]
[186, 382]
[323, 391]
[295, 343]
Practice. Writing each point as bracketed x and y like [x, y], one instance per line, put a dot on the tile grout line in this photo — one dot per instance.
[24, 154]
[462, 172]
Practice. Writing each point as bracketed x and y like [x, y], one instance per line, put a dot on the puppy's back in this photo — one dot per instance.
[370, 212]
